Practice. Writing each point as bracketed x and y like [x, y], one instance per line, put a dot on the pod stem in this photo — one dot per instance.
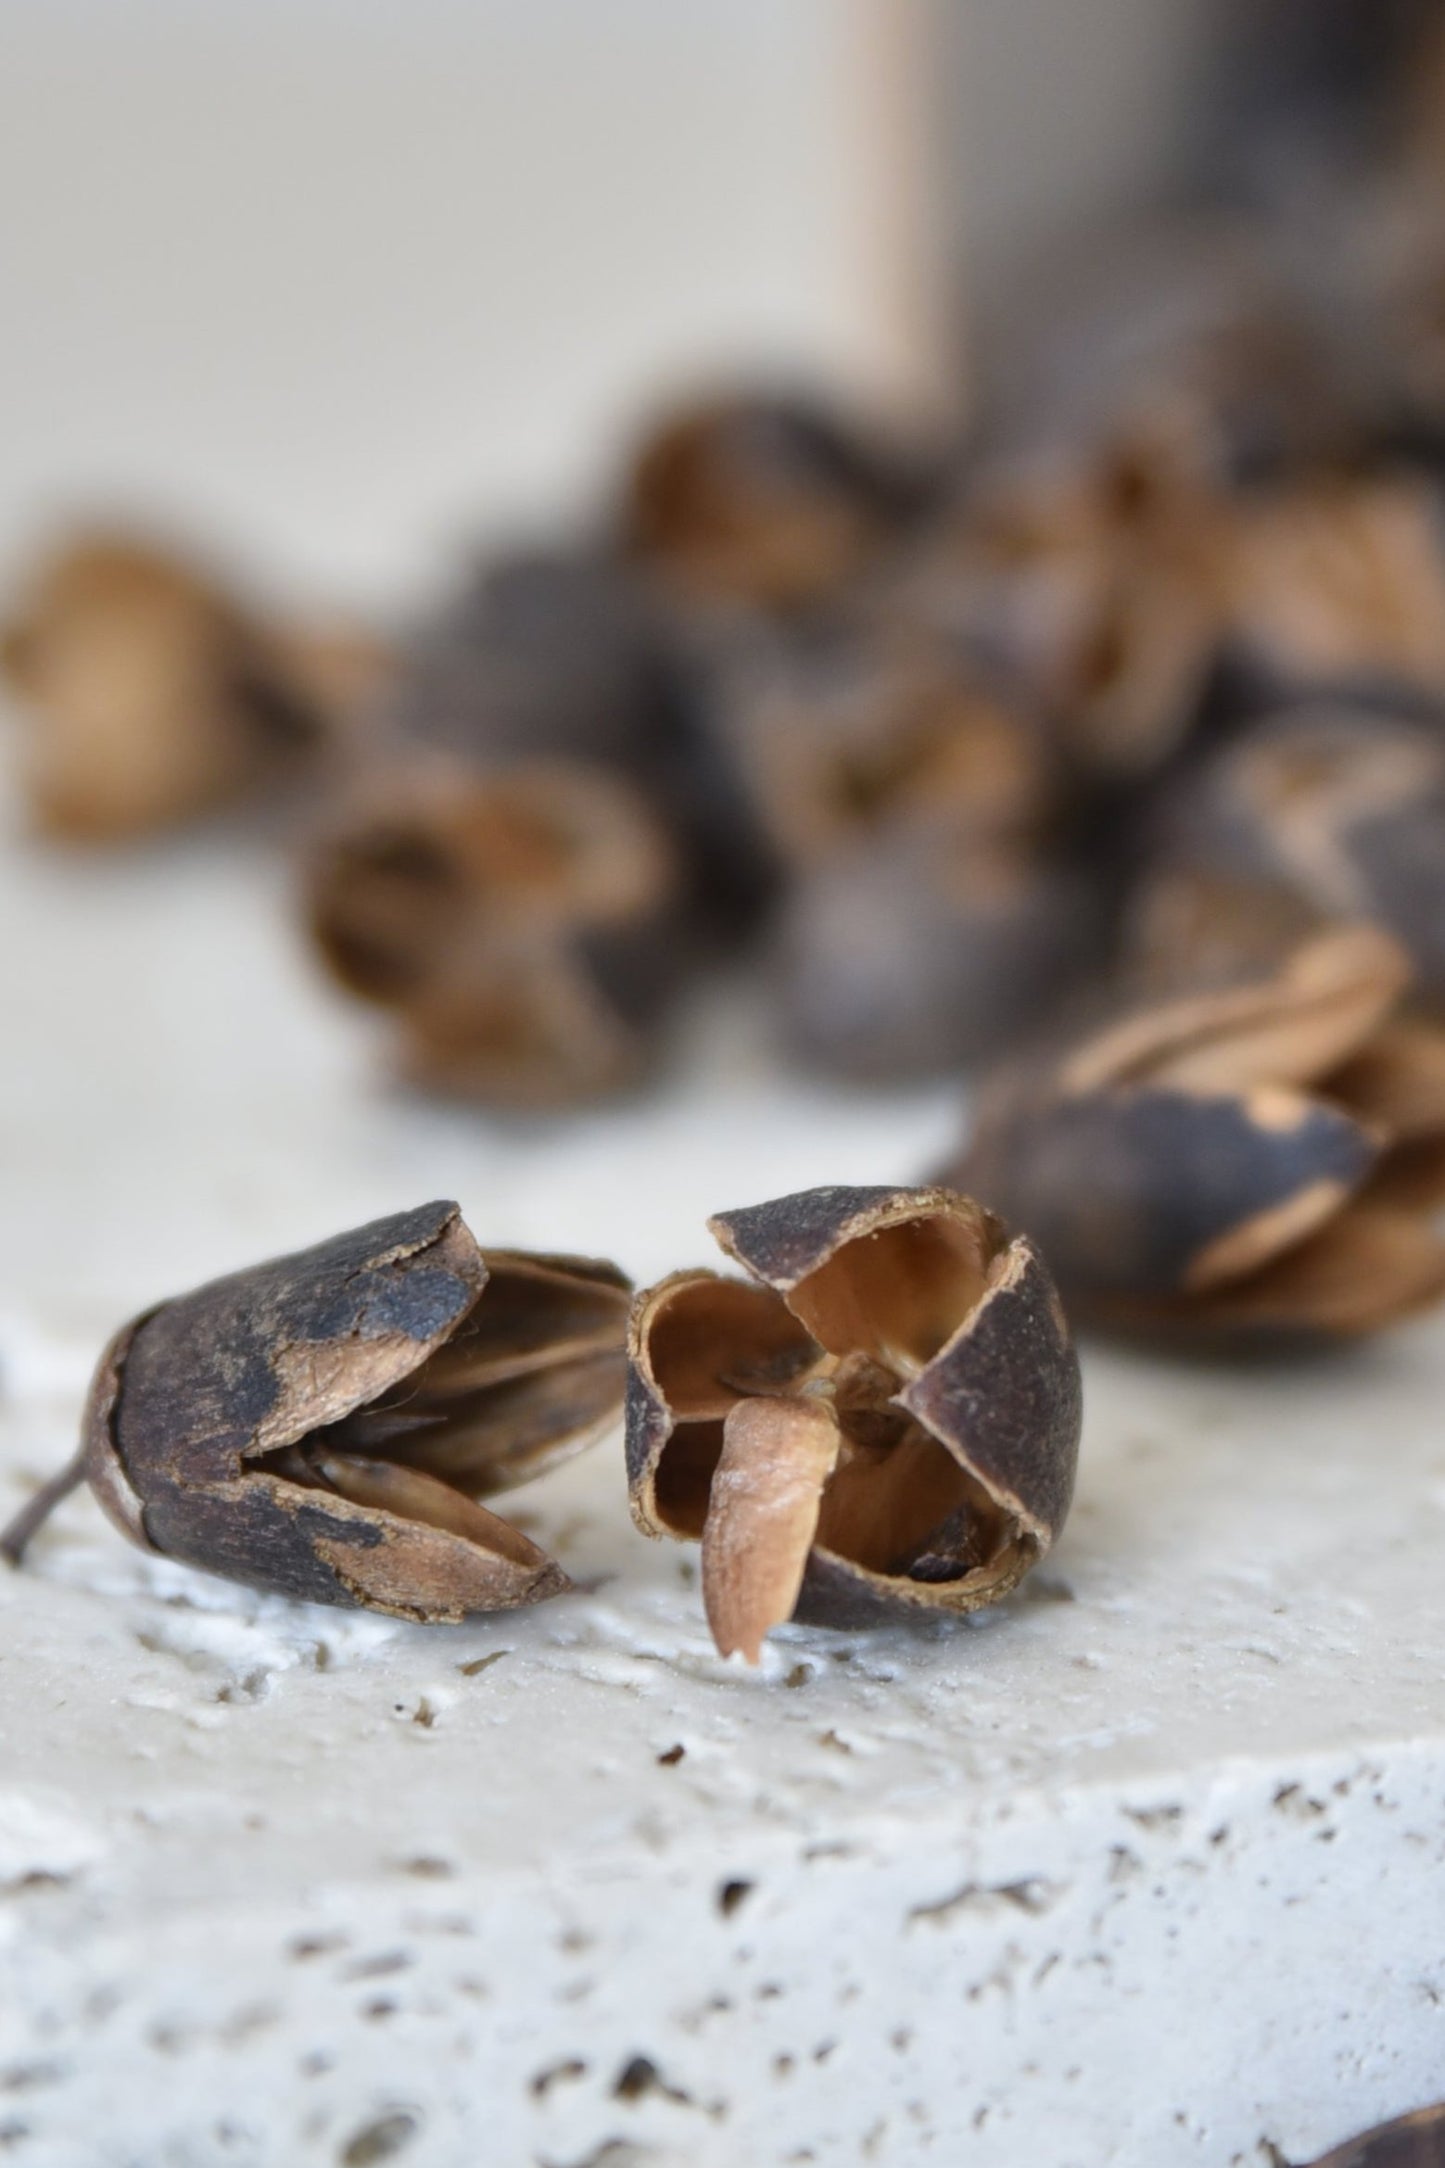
[32, 1516]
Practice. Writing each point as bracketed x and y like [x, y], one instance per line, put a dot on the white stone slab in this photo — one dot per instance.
[1144, 1868]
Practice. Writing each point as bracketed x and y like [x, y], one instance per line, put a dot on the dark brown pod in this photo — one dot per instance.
[884, 1418]
[154, 696]
[323, 1426]
[1341, 809]
[922, 951]
[541, 653]
[768, 500]
[1093, 580]
[1264, 1158]
[1412, 2141]
[521, 924]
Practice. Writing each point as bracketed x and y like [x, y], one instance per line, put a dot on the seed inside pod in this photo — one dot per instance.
[520, 924]
[1263, 1158]
[325, 1425]
[883, 1419]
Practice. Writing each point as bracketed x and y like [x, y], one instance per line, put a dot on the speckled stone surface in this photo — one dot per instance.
[1144, 1868]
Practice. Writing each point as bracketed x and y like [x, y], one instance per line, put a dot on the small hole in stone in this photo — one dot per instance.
[636, 2079]
[558, 2074]
[379, 2140]
[731, 1895]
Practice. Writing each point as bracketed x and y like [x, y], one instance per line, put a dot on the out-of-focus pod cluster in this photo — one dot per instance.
[1144, 681]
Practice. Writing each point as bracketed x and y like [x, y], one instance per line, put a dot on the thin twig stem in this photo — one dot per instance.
[30, 1517]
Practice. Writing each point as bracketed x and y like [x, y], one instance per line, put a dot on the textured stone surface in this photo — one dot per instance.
[1141, 1869]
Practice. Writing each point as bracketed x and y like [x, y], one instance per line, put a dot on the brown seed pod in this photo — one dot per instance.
[770, 500]
[153, 696]
[884, 1418]
[521, 925]
[848, 727]
[1411, 2141]
[1338, 583]
[323, 1425]
[1264, 1158]
[1095, 583]
[1341, 809]
[921, 951]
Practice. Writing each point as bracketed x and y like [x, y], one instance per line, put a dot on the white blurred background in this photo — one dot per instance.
[344, 283]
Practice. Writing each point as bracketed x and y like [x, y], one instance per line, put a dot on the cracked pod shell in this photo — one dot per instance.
[927, 1288]
[220, 1422]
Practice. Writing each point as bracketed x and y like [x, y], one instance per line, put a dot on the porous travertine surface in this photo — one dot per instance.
[1142, 1868]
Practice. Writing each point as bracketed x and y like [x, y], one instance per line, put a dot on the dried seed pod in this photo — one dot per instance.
[770, 500]
[1264, 1158]
[323, 1425]
[542, 652]
[883, 1419]
[1411, 2141]
[921, 952]
[846, 726]
[1338, 584]
[1094, 583]
[1193, 926]
[154, 696]
[1341, 809]
[521, 925]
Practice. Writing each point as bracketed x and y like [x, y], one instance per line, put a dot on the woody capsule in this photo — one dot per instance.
[326, 1425]
[881, 1419]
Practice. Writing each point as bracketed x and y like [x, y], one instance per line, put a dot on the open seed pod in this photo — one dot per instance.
[323, 1425]
[922, 951]
[883, 1419]
[153, 697]
[1260, 1159]
[771, 500]
[846, 727]
[1095, 583]
[521, 924]
[1342, 809]
[1411, 2141]
[1339, 583]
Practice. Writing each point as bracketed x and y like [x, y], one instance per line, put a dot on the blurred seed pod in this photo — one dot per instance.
[1096, 583]
[1339, 585]
[541, 653]
[920, 951]
[1188, 925]
[770, 500]
[1412, 2141]
[153, 696]
[883, 1419]
[849, 726]
[525, 926]
[1263, 1159]
[1340, 810]
[325, 1424]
